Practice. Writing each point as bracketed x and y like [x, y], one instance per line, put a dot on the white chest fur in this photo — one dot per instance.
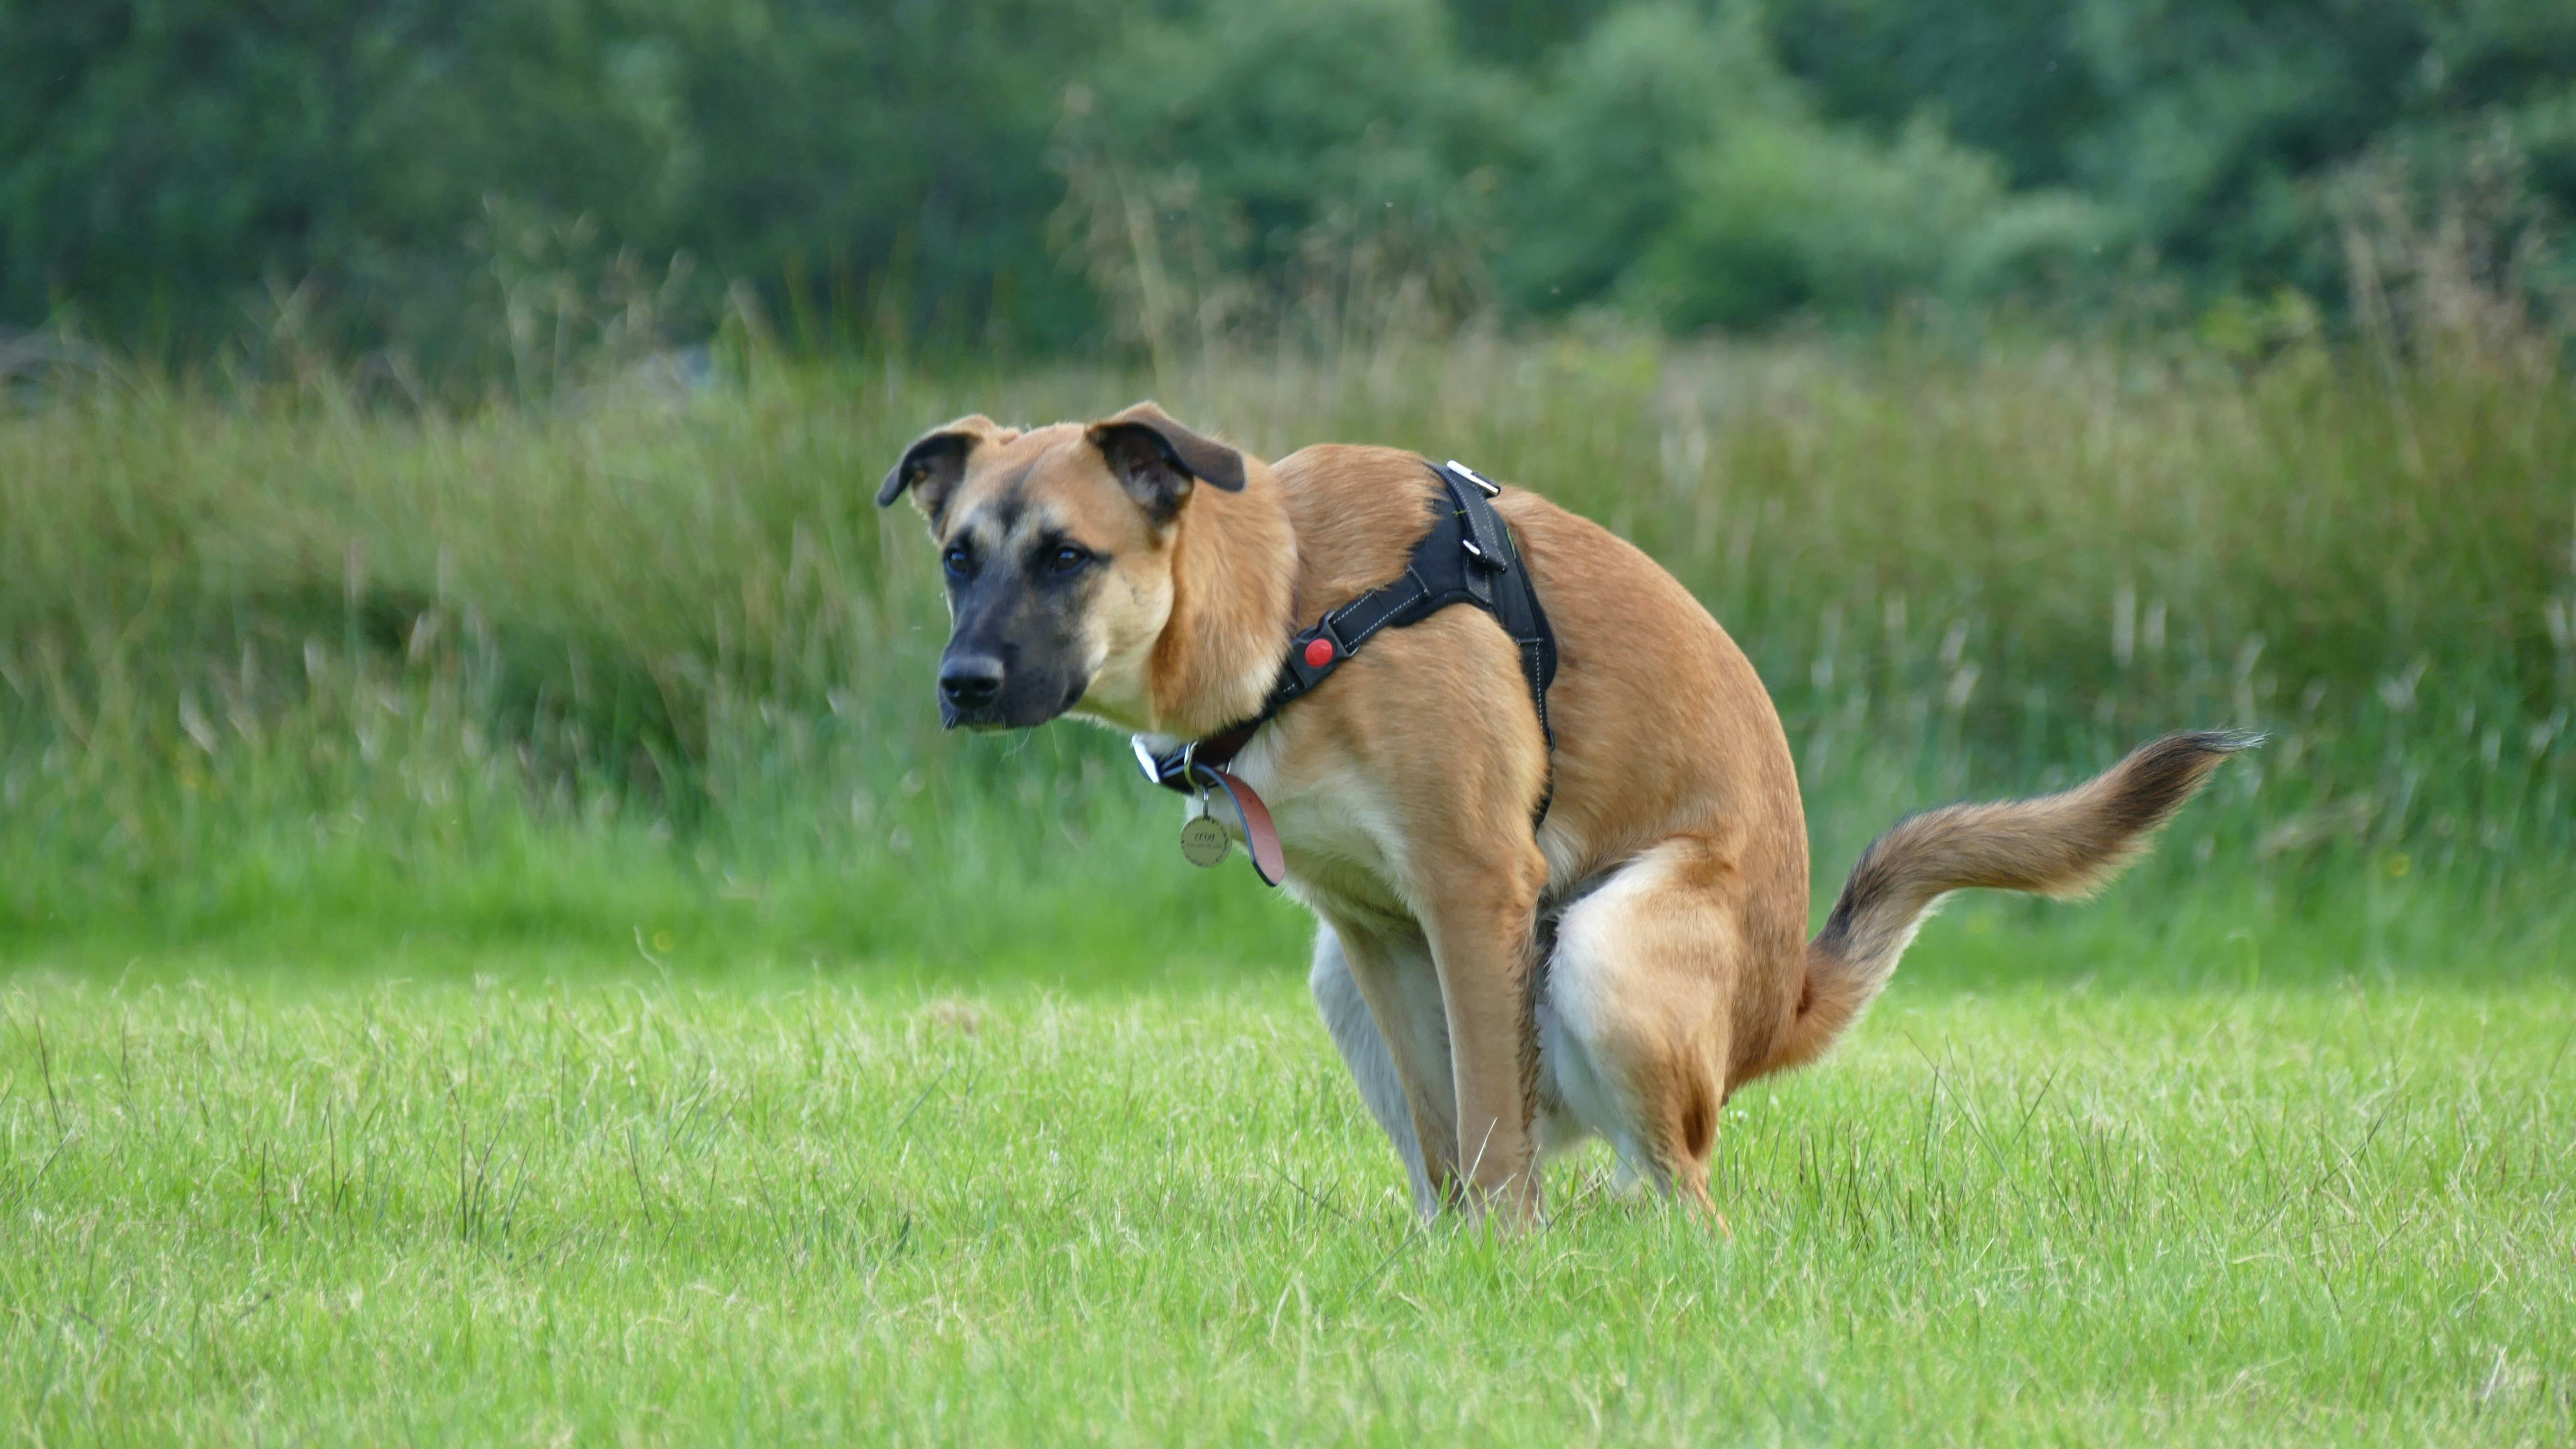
[1336, 824]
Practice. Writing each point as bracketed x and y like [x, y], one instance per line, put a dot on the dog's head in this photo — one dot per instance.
[1057, 548]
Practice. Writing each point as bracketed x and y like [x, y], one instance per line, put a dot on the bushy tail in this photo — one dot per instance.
[2063, 845]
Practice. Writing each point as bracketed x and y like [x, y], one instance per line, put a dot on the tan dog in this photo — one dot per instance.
[1497, 994]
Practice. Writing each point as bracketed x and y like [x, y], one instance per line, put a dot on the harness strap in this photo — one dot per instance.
[1467, 557]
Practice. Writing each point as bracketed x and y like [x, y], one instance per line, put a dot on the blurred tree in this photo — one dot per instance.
[1642, 92]
[161, 160]
[466, 183]
[2008, 76]
[1260, 162]
[1523, 32]
[2208, 129]
[1677, 170]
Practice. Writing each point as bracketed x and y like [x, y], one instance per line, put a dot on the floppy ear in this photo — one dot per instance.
[1156, 459]
[934, 463]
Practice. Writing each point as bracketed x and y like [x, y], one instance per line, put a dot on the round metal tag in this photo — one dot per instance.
[1204, 842]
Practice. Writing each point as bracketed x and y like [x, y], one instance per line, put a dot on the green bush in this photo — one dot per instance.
[2207, 132]
[1625, 111]
[1261, 162]
[410, 174]
[480, 191]
[1677, 169]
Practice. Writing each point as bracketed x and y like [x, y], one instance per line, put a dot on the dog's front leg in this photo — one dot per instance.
[1390, 963]
[1480, 934]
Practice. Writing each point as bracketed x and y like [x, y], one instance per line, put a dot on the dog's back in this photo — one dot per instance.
[1663, 730]
[1669, 751]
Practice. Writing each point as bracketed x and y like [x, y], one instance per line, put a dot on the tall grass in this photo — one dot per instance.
[649, 667]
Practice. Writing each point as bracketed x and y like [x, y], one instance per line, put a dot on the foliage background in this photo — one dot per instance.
[455, 190]
[436, 484]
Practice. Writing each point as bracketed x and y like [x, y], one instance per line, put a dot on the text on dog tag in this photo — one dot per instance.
[1203, 841]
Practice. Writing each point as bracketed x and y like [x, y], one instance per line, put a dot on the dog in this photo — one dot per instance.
[1499, 992]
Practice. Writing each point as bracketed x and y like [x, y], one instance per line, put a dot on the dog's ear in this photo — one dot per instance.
[934, 463]
[1156, 459]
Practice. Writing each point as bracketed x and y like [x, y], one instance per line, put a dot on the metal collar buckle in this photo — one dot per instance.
[1162, 768]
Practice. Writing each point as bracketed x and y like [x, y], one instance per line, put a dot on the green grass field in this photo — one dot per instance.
[694, 1209]
[494, 947]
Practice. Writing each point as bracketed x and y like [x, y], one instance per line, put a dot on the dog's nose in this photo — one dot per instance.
[970, 681]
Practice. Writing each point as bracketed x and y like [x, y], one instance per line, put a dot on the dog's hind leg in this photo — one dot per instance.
[1641, 992]
[1363, 1048]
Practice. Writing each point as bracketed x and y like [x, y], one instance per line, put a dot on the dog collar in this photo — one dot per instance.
[1466, 558]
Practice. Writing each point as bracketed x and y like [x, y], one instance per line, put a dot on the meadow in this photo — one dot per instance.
[494, 945]
[812, 1211]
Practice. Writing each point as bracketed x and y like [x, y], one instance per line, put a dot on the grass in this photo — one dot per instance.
[283, 662]
[609, 1206]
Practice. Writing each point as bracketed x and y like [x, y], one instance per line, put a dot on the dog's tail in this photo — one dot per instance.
[2063, 845]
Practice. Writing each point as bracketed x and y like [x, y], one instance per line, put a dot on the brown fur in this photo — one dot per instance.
[2065, 845]
[1668, 887]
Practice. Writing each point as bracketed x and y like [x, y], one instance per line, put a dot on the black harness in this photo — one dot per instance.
[1467, 558]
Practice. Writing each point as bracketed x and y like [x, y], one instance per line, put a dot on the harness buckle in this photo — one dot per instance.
[1324, 640]
[1483, 484]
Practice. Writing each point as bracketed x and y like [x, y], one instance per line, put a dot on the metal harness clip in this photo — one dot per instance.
[1486, 485]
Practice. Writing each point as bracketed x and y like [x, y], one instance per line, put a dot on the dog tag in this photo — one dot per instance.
[1204, 842]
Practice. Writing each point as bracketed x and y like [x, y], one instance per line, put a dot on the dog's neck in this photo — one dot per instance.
[1234, 572]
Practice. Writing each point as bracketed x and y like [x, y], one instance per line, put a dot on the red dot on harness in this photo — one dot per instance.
[1319, 652]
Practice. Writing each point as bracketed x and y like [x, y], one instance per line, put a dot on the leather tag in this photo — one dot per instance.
[1260, 836]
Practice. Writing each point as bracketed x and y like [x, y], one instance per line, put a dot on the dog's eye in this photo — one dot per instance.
[955, 559]
[1066, 560]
